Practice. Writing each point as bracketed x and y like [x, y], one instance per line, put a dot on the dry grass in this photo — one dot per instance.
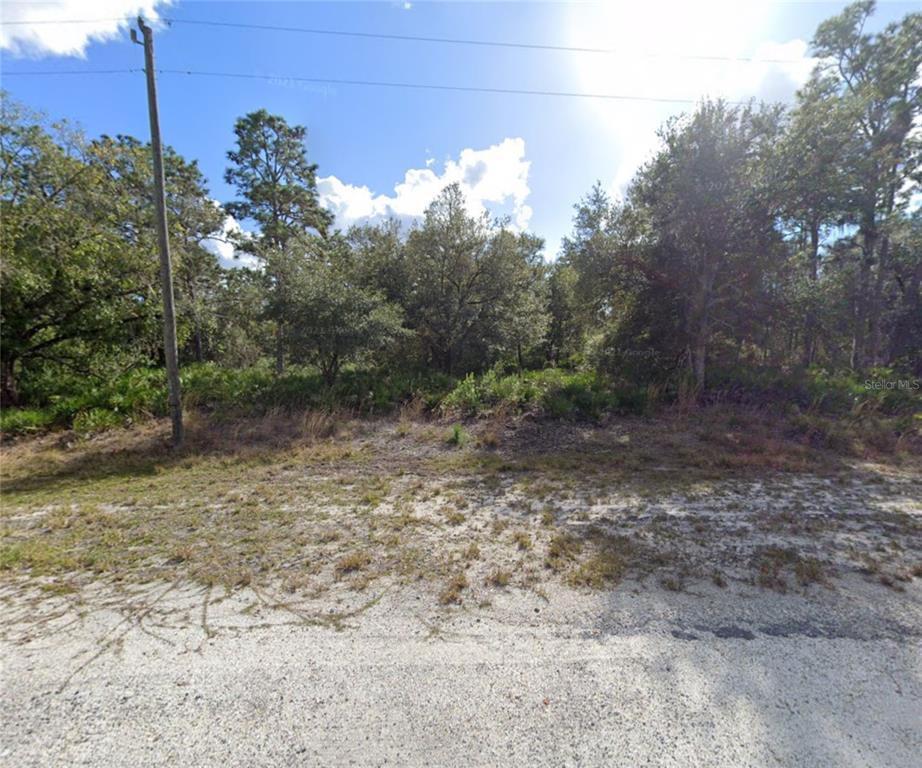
[562, 550]
[810, 570]
[775, 563]
[455, 517]
[598, 570]
[451, 594]
[499, 577]
[354, 561]
[311, 500]
[607, 564]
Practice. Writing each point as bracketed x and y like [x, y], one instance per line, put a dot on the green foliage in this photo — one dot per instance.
[97, 420]
[477, 291]
[872, 82]
[15, 421]
[73, 285]
[762, 255]
[881, 391]
[91, 405]
[559, 393]
[458, 436]
[80, 289]
[258, 390]
[276, 183]
[331, 319]
[566, 333]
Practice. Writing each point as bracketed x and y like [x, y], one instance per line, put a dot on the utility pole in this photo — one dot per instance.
[166, 270]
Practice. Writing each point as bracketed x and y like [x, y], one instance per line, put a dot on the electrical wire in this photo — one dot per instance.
[282, 79]
[424, 39]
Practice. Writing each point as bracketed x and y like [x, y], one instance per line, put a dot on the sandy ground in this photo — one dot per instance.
[637, 676]
[702, 614]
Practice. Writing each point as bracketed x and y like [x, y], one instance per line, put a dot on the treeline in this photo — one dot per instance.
[757, 238]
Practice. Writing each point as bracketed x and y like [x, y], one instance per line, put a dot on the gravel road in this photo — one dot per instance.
[635, 677]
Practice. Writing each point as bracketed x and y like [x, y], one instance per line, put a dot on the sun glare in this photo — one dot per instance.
[673, 64]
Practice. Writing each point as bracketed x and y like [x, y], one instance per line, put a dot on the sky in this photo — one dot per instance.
[385, 151]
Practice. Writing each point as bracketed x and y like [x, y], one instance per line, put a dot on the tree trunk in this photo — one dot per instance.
[697, 350]
[810, 320]
[9, 394]
[699, 324]
[876, 304]
[448, 365]
[329, 369]
[279, 350]
[907, 335]
[698, 357]
[197, 348]
[860, 338]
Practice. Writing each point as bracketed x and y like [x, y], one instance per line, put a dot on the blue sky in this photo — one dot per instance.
[384, 151]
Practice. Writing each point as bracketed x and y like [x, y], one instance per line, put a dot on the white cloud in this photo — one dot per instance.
[221, 245]
[494, 180]
[664, 65]
[44, 32]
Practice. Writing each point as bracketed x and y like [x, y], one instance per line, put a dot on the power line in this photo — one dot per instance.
[466, 41]
[39, 73]
[428, 39]
[282, 79]
[30, 22]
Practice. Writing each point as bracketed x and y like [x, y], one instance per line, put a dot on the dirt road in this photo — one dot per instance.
[641, 676]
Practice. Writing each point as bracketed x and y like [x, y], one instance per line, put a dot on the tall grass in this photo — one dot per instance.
[91, 406]
[554, 391]
[810, 397]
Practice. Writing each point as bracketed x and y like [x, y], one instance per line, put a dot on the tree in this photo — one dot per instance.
[591, 252]
[812, 185]
[193, 218]
[74, 282]
[242, 330]
[522, 319]
[333, 319]
[380, 259]
[276, 183]
[277, 189]
[469, 282]
[712, 235]
[874, 80]
[906, 337]
[565, 334]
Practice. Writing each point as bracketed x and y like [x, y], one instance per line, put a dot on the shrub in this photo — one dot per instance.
[141, 393]
[457, 436]
[557, 392]
[453, 589]
[97, 420]
[881, 390]
[15, 421]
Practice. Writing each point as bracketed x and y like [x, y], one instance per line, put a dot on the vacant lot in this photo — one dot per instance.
[673, 563]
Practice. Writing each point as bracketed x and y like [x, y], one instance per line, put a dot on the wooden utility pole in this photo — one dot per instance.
[166, 270]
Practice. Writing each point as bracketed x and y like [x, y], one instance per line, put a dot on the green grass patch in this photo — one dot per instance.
[554, 391]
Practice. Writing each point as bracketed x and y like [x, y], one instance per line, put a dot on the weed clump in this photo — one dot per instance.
[774, 561]
[809, 570]
[351, 563]
[562, 551]
[452, 593]
[457, 436]
[499, 577]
